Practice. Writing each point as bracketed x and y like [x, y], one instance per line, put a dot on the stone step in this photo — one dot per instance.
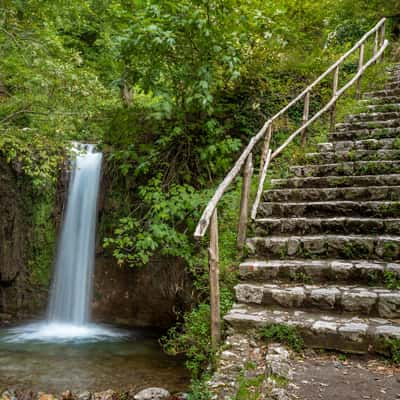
[393, 84]
[373, 116]
[381, 100]
[382, 93]
[364, 144]
[364, 134]
[326, 246]
[337, 181]
[356, 125]
[384, 107]
[341, 208]
[370, 193]
[369, 301]
[348, 168]
[320, 330]
[328, 226]
[312, 271]
[328, 157]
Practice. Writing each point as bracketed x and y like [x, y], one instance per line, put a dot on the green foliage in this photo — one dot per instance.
[191, 337]
[392, 280]
[249, 388]
[283, 334]
[393, 348]
[199, 389]
[43, 242]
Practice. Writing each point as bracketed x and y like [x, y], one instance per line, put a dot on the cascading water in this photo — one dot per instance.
[68, 313]
[71, 290]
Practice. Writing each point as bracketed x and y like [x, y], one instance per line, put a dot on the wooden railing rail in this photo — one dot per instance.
[209, 219]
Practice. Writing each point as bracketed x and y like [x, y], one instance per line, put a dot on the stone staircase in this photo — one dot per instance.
[327, 240]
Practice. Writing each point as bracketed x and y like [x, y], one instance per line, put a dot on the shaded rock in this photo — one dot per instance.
[152, 394]
[67, 395]
[106, 395]
[85, 396]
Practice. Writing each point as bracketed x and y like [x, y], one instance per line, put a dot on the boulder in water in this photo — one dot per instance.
[152, 394]
[85, 396]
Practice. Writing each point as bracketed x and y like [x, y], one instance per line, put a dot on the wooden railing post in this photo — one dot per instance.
[335, 88]
[266, 144]
[244, 202]
[306, 112]
[213, 259]
[360, 65]
[383, 33]
[376, 42]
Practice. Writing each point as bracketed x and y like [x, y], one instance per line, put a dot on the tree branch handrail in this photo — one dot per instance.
[204, 221]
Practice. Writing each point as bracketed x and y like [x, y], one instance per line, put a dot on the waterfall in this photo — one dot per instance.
[72, 282]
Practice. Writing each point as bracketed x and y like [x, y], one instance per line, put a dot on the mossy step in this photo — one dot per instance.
[327, 157]
[341, 208]
[330, 226]
[373, 116]
[351, 145]
[382, 93]
[363, 134]
[337, 181]
[393, 84]
[319, 330]
[368, 301]
[384, 107]
[355, 125]
[326, 246]
[381, 100]
[348, 168]
[354, 193]
[312, 271]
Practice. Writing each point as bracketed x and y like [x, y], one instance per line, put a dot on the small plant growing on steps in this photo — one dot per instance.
[393, 348]
[392, 280]
[283, 334]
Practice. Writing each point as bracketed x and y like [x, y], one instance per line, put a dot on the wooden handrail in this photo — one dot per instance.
[209, 217]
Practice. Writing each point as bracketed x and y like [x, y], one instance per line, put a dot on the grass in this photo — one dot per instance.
[282, 334]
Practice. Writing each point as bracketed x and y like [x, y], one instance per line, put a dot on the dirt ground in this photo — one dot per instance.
[335, 377]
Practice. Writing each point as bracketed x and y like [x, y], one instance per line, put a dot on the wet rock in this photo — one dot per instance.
[46, 396]
[106, 395]
[152, 394]
[8, 395]
[85, 396]
[67, 395]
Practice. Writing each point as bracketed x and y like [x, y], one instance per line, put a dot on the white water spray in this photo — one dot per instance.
[72, 282]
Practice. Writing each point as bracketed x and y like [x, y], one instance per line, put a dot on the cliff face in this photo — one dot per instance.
[20, 294]
[150, 296]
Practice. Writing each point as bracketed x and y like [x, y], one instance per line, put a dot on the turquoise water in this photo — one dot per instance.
[122, 361]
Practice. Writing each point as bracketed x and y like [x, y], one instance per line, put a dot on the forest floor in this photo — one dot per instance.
[332, 377]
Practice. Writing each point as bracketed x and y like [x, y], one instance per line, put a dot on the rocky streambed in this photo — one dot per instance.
[154, 393]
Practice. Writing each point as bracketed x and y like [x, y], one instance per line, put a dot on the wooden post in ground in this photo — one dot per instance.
[306, 112]
[360, 65]
[335, 88]
[213, 259]
[244, 202]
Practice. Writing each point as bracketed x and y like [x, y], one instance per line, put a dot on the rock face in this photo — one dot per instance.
[325, 257]
[20, 295]
[152, 394]
[146, 297]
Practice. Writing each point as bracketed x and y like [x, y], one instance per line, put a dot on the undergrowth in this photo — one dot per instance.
[282, 334]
